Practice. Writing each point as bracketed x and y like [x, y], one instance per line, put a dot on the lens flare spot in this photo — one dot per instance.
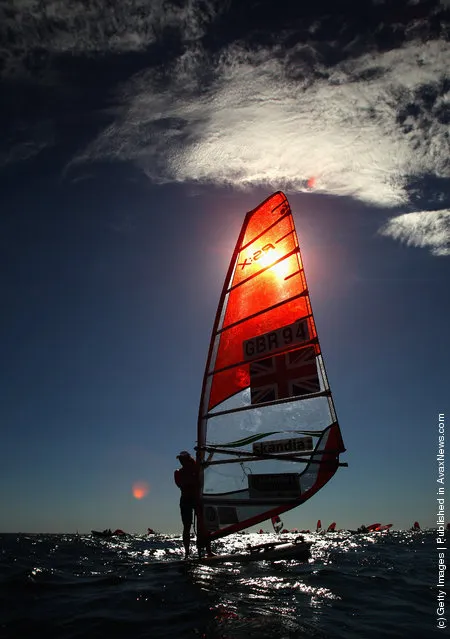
[140, 489]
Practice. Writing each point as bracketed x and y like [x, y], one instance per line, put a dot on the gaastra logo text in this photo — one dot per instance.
[256, 255]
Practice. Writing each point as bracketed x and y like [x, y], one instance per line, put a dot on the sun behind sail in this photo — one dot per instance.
[268, 437]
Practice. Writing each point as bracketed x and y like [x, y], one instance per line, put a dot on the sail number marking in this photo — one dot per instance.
[283, 337]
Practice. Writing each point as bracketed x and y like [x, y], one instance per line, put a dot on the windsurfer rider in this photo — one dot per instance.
[186, 478]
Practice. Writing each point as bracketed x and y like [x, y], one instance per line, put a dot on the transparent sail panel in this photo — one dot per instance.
[229, 425]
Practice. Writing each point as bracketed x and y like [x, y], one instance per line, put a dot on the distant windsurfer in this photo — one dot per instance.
[186, 478]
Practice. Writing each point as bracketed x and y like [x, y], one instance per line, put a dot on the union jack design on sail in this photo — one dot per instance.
[292, 374]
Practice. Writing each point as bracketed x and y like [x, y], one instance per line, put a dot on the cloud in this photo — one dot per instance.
[362, 128]
[80, 27]
[244, 97]
[429, 229]
[26, 142]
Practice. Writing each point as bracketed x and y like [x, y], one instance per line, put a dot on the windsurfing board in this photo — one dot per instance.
[272, 551]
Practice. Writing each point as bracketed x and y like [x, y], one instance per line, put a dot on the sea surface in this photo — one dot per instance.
[354, 587]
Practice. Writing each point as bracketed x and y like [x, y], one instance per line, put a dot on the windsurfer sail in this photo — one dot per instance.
[268, 436]
[277, 524]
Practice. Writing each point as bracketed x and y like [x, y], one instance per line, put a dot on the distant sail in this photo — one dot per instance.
[319, 526]
[268, 437]
[277, 524]
[331, 527]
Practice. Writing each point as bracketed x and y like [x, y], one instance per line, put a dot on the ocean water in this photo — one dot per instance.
[354, 587]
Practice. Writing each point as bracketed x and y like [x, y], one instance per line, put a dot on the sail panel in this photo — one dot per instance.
[230, 349]
[268, 437]
[260, 491]
[261, 291]
[274, 244]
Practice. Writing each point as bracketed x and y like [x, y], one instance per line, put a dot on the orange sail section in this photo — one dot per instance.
[267, 290]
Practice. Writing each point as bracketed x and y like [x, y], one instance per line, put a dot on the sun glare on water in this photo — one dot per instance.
[140, 489]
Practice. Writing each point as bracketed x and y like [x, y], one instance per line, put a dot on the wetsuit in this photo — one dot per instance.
[186, 479]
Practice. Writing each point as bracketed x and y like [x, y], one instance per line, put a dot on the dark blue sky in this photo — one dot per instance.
[125, 177]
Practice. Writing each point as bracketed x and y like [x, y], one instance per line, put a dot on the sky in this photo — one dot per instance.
[134, 137]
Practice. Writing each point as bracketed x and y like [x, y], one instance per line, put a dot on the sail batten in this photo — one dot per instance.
[298, 459]
[299, 272]
[275, 402]
[267, 420]
[268, 228]
[241, 362]
[266, 310]
[263, 270]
